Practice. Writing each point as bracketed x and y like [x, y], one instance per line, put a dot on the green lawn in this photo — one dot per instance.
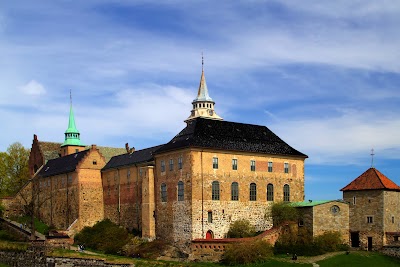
[360, 259]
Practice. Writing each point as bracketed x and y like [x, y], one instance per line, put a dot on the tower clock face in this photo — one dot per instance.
[210, 112]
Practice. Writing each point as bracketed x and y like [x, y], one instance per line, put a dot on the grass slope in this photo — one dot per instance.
[360, 259]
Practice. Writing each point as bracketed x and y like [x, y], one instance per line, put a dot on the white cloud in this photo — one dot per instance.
[343, 139]
[33, 88]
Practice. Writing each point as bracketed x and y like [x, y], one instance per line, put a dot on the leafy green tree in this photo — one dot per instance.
[14, 171]
[283, 212]
[241, 228]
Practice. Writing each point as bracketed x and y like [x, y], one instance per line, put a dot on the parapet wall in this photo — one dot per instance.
[393, 251]
[213, 249]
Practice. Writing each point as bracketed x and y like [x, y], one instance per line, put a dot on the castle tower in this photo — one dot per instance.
[203, 105]
[72, 142]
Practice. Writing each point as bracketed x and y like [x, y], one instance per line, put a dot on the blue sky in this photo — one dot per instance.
[323, 75]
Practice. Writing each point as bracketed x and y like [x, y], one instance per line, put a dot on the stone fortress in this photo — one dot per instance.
[209, 175]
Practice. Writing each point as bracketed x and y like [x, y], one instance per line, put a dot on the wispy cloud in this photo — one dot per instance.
[33, 88]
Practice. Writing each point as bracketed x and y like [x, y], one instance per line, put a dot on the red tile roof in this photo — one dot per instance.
[371, 179]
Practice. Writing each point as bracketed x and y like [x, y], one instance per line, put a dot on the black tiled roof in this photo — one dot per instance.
[225, 135]
[140, 156]
[61, 165]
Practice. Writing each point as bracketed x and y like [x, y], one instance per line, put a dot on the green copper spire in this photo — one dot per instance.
[72, 135]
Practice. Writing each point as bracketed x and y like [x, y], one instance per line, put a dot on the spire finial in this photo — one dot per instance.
[202, 61]
[372, 158]
[70, 97]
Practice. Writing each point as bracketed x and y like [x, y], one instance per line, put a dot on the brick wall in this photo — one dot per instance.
[122, 193]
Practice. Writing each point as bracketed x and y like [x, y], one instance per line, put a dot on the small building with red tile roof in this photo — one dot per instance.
[374, 210]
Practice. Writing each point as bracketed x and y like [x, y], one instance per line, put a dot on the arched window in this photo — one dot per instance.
[270, 192]
[163, 193]
[253, 192]
[235, 191]
[180, 191]
[286, 193]
[215, 190]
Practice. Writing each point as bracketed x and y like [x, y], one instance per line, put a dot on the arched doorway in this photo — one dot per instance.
[209, 234]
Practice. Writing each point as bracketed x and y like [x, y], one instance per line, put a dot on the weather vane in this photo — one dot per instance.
[372, 158]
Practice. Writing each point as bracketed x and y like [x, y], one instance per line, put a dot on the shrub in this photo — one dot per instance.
[303, 244]
[328, 241]
[241, 228]
[247, 252]
[104, 236]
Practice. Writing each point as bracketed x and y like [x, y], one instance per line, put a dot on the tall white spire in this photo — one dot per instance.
[203, 105]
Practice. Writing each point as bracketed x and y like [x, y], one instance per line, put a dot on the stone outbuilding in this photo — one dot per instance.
[374, 210]
[318, 217]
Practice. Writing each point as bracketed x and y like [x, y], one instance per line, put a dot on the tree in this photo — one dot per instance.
[14, 170]
[241, 228]
[282, 212]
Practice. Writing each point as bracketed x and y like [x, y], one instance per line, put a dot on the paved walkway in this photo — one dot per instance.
[314, 259]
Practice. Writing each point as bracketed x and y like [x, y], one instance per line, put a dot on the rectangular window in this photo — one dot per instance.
[171, 164]
[162, 166]
[215, 163]
[180, 163]
[354, 200]
[180, 191]
[234, 164]
[253, 192]
[370, 219]
[235, 191]
[252, 165]
[163, 193]
[210, 219]
[286, 166]
[301, 222]
[215, 190]
[270, 166]
[392, 219]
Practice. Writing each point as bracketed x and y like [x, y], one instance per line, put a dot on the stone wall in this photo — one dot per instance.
[90, 192]
[325, 220]
[367, 203]
[391, 217]
[392, 251]
[173, 216]
[33, 259]
[148, 203]
[58, 199]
